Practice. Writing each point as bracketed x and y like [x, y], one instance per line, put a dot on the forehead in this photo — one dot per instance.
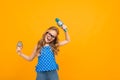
[53, 32]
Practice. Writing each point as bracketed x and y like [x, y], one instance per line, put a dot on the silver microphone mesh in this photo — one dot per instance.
[19, 44]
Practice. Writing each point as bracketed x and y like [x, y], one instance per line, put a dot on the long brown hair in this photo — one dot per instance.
[54, 44]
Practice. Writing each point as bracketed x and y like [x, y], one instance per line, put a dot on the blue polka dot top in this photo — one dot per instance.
[46, 60]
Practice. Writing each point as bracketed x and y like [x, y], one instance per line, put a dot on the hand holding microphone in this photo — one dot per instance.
[61, 24]
[19, 47]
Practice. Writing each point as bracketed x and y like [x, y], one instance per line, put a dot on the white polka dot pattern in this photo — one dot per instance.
[46, 60]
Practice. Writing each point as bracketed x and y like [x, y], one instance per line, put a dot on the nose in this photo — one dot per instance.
[49, 37]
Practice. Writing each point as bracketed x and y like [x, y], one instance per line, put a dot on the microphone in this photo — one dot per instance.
[60, 23]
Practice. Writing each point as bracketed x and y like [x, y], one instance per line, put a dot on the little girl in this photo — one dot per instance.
[45, 50]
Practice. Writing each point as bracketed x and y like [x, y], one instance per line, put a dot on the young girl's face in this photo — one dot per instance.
[50, 36]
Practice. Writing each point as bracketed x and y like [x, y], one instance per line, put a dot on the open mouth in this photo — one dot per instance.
[48, 39]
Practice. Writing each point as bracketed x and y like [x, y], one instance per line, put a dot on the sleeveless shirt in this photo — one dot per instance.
[46, 60]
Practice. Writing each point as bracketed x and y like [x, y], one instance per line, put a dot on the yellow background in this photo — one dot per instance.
[94, 28]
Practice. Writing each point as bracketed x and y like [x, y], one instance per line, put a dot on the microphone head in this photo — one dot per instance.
[59, 22]
[19, 44]
[57, 19]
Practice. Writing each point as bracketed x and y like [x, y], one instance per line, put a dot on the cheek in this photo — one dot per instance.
[45, 37]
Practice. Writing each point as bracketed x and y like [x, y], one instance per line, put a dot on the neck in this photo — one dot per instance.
[46, 44]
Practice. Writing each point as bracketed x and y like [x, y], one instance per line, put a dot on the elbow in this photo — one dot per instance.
[30, 59]
[68, 40]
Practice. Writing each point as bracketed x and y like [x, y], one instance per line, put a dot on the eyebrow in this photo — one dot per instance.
[51, 34]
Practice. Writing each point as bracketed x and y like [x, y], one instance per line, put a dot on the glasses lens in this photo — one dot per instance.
[51, 35]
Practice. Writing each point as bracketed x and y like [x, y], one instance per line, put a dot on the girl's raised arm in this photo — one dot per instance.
[67, 37]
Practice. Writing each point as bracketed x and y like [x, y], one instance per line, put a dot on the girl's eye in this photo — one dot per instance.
[51, 35]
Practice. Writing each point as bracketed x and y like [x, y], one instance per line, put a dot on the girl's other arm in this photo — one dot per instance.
[28, 58]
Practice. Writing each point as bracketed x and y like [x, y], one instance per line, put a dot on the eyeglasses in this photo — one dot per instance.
[51, 35]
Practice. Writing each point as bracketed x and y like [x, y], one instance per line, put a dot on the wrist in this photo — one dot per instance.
[65, 30]
[64, 27]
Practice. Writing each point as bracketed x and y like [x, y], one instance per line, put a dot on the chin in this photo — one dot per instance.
[47, 41]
